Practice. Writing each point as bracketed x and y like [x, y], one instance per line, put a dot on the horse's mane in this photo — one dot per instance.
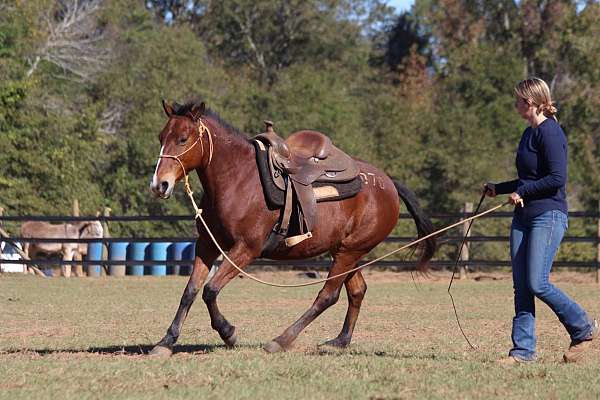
[183, 109]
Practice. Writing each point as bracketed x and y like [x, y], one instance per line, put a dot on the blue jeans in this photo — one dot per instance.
[533, 245]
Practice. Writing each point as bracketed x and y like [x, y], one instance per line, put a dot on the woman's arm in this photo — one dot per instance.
[506, 187]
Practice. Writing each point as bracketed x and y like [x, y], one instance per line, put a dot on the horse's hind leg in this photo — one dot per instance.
[327, 297]
[202, 264]
[355, 289]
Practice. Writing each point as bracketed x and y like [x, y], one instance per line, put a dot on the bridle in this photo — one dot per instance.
[201, 130]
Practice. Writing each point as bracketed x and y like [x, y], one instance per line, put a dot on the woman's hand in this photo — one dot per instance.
[489, 189]
[515, 199]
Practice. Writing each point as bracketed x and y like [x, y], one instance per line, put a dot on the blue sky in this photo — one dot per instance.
[401, 5]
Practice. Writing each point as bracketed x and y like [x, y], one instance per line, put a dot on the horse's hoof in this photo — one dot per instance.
[231, 340]
[273, 347]
[160, 351]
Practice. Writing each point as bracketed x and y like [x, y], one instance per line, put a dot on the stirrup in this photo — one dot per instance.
[294, 240]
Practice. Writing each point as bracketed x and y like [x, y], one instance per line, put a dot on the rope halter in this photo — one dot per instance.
[201, 130]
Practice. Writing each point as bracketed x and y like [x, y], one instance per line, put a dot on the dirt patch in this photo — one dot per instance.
[17, 330]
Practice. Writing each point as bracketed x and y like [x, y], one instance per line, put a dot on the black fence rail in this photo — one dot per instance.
[391, 239]
[175, 218]
[319, 265]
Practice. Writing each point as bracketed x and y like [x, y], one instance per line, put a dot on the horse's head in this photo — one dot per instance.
[91, 229]
[182, 147]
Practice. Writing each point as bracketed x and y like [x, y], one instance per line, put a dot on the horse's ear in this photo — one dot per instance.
[168, 108]
[197, 111]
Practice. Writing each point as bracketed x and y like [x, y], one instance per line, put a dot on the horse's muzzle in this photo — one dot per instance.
[161, 189]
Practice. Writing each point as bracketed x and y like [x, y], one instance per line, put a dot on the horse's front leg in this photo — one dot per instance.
[241, 256]
[202, 265]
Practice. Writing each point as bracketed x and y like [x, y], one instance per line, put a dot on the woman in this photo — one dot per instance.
[539, 223]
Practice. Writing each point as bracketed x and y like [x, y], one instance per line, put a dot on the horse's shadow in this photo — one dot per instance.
[329, 351]
[141, 350]
[128, 350]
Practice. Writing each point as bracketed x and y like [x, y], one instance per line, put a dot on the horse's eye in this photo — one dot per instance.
[182, 140]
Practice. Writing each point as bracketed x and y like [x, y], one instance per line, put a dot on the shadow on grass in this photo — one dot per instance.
[324, 350]
[131, 350]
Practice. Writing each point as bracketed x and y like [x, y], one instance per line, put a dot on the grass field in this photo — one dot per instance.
[85, 339]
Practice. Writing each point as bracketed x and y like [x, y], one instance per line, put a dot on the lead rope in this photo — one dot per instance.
[199, 217]
[462, 244]
[188, 190]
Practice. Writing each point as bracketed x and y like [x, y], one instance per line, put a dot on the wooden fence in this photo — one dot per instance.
[447, 218]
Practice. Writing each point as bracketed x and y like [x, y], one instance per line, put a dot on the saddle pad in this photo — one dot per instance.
[324, 191]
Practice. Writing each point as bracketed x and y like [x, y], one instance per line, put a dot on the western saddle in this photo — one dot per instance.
[297, 162]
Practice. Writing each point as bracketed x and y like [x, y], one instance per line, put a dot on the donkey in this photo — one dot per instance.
[45, 230]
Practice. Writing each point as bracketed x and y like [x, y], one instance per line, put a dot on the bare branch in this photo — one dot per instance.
[75, 42]
[112, 119]
[246, 29]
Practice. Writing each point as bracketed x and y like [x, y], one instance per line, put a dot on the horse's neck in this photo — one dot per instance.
[79, 225]
[233, 157]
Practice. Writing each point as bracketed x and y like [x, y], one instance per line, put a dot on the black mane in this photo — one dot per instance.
[182, 110]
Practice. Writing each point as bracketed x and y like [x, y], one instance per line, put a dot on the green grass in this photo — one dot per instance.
[83, 338]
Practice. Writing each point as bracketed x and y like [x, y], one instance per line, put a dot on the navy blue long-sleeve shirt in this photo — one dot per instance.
[542, 170]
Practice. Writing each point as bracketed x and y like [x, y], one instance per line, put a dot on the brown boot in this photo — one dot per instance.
[577, 350]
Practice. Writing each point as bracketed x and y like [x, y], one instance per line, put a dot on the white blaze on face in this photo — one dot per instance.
[155, 181]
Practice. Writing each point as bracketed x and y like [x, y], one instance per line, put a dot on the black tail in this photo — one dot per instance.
[424, 225]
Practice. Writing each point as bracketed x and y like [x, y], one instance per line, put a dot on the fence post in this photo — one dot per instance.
[75, 208]
[106, 213]
[464, 254]
[105, 233]
[78, 268]
[1, 213]
[598, 247]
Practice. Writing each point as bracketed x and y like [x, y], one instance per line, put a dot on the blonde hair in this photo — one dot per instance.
[538, 92]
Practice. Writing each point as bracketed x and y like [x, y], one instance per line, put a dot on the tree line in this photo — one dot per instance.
[426, 94]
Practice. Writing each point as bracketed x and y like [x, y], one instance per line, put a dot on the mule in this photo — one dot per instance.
[236, 212]
[70, 230]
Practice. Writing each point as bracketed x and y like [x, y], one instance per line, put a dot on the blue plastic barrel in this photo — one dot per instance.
[94, 254]
[158, 252]
[189, 253]
[136, 252]
[117, 251]
[175, 253]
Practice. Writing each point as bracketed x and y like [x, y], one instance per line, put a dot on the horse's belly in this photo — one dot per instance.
[330, 229]
[298, 252]
[47, 248]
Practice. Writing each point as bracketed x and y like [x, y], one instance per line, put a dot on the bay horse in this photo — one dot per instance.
[236, 212]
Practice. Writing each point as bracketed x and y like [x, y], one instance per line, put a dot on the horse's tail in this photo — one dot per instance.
[424, 225]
